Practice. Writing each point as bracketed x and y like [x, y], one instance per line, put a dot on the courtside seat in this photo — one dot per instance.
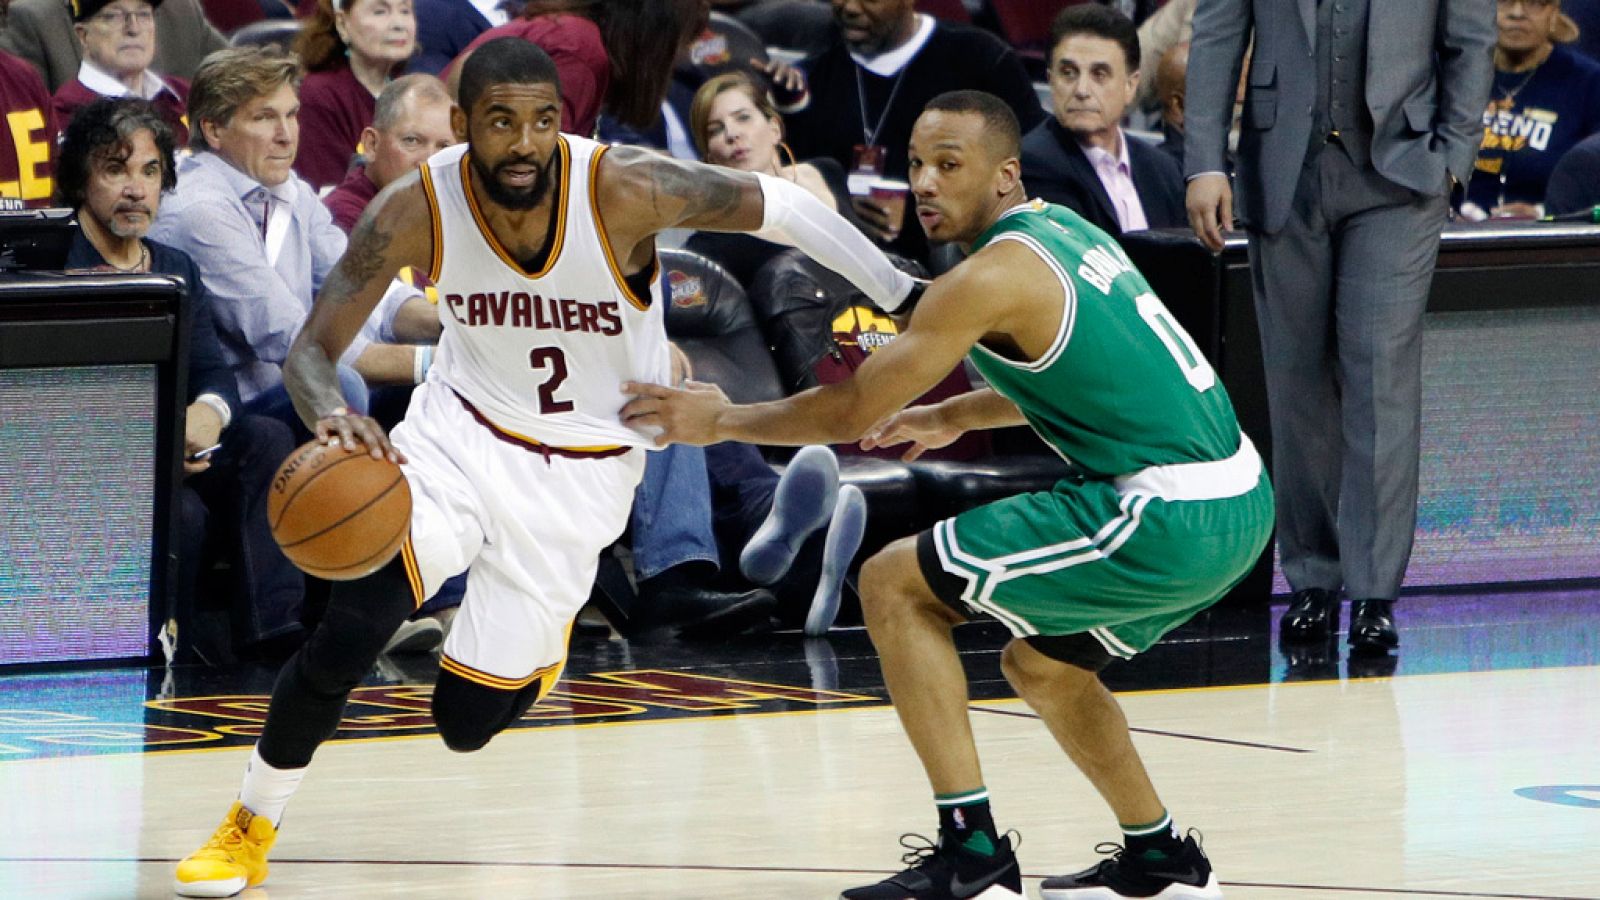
[947, 487]
[726, 45]
[890, 487]
[709, 317]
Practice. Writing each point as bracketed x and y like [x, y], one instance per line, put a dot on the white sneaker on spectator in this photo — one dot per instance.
[845, 531]
[804, 499]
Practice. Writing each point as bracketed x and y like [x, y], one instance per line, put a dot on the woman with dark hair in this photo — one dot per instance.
[615, 54]
[734, 123]
[350, 48]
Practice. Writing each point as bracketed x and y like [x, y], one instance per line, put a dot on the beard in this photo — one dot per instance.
[517, 199]
[129, 230]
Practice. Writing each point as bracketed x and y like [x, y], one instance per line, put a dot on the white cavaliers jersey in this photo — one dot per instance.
[541, 355]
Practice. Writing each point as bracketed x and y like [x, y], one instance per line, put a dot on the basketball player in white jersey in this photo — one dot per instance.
[521, 471]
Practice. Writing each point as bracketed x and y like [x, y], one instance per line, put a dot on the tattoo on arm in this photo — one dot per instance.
[693, 192]
[363, 261]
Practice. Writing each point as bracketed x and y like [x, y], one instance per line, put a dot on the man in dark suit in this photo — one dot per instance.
[116, 160]
[1081, 158]
[1359, 115]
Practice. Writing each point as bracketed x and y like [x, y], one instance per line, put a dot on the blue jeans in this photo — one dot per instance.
[672, 522]
[275, 402]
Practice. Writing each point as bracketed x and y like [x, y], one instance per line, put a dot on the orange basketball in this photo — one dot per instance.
[338, 513]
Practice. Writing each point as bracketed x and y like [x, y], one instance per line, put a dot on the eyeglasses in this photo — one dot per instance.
[121, 18]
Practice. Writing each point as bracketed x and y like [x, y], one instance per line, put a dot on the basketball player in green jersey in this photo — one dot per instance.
[1169, 508]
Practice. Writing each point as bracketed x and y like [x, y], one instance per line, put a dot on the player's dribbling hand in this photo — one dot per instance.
[921, 426]
[344, 428]
[686, 415]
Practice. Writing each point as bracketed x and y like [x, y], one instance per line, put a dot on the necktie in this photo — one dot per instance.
[260, 203]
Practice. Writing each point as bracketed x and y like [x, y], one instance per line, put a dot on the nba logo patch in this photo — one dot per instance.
[960, 820]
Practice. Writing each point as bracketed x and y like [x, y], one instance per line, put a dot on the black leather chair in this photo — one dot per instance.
[726, 45]
[712, 320]
[709, 317]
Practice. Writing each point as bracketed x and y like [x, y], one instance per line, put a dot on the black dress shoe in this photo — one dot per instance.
[1372, 630]
[702, 614]
[1313, 615]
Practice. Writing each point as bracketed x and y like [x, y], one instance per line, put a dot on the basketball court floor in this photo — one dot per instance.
[773, 767]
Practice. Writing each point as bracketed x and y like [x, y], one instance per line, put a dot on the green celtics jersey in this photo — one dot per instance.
[1123, 386]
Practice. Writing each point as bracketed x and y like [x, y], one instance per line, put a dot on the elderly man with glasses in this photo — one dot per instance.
[119, 44]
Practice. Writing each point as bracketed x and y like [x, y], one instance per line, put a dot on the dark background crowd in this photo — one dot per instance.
[236, 142]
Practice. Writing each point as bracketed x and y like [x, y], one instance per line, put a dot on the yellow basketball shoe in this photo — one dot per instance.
[235, 858]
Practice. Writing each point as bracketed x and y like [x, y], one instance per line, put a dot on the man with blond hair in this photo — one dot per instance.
[263, 241]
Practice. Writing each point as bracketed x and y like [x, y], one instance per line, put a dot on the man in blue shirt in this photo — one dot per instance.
[262, 240]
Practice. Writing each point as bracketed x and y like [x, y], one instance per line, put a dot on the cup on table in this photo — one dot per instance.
[890, 195]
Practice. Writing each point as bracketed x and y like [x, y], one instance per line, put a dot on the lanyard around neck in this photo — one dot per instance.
[871, 132]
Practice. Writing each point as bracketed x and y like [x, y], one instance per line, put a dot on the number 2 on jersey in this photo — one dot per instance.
[556, 361]
[1196, 370]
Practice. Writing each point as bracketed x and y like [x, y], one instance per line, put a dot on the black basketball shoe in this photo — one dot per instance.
[947, 871]
[1187, 876]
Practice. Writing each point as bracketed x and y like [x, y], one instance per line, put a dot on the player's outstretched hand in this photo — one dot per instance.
[686, 415]
[342, 427]
[921, 426]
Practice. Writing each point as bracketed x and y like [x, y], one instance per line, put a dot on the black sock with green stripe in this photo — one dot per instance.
[1153, 841]
[964, 819]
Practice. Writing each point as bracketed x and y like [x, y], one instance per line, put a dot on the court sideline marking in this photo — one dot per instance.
[1176, 734]
[780, 870]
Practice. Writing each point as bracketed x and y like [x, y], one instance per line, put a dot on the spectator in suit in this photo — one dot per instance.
[119, 43]
[1575, 184]
[350, 48]
[116, 162]
[1358, 117]
[1081, 158]
[885, 61]
[410, 122]
[28, 135]
[1546, 98]
[40, 31]
[260, 237]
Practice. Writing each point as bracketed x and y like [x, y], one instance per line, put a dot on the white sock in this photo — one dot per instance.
[266, 790]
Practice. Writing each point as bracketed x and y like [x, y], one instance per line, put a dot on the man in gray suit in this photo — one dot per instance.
[1359, 117]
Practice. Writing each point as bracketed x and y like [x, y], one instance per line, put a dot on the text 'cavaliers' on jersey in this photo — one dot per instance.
[542, 355]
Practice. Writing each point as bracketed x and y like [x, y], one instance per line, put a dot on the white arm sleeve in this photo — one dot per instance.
[792, 216]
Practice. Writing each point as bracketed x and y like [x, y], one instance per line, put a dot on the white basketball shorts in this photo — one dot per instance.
[525, 521]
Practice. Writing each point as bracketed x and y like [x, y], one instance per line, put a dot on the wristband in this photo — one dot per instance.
[421, 362]
[219, 405]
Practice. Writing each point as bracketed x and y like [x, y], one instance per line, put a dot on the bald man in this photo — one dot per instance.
[1169, 94]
